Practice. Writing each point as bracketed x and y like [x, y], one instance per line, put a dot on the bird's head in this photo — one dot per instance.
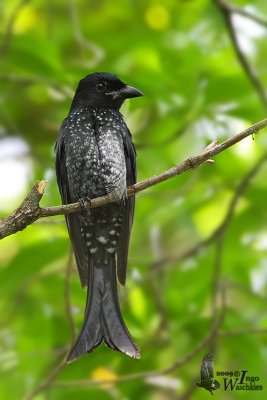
[103, 89]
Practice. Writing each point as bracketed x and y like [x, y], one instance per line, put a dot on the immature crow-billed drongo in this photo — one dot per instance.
[95, 156]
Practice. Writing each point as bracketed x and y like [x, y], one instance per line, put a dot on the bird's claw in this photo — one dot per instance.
[84, 203]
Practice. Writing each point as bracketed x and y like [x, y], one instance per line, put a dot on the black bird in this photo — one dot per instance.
[95, 156]
[207, 380]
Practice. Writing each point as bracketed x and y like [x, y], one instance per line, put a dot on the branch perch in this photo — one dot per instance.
[29, 211]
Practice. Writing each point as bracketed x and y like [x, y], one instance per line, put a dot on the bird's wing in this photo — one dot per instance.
[71, 219]
[128, 209]
[206, 370]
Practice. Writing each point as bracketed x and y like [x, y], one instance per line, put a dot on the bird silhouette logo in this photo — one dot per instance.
[207, 380]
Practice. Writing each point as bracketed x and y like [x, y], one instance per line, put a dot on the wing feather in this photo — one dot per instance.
[128, 209]
[207, 366]
[72, 220]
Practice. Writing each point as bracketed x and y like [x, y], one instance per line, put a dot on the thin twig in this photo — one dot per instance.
[59, 367]
[243, 12]
[82, 43]
[48, 380]
[217, 268]
[157, 286]
[247, 290]
[242, 331]
[227, 11]
[20, 295]
[24, 216]
[168, 140]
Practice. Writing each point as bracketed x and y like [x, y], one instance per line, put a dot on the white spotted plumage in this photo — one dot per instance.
[96, 157]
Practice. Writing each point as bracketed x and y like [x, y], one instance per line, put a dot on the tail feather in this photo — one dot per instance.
[116, 334]
[103, 320]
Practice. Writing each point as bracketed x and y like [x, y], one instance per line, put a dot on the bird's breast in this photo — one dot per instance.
[95, 160]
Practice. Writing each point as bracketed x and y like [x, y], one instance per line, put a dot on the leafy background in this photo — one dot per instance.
[202, 67]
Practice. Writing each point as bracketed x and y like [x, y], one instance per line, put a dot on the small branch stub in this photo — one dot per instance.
[26, 213]
[41, 187]
[209, 147]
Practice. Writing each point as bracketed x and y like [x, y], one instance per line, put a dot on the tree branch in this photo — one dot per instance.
[29, 211]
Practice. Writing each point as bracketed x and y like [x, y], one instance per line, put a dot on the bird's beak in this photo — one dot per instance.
[126, 92]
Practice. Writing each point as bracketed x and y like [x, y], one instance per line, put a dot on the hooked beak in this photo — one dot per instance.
[126, 92]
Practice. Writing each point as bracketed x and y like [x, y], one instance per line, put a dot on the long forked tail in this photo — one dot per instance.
[103, 320]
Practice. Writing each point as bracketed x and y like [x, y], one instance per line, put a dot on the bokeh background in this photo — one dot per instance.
[202, 67]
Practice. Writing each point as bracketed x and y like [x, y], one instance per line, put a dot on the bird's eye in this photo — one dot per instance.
[100, 87]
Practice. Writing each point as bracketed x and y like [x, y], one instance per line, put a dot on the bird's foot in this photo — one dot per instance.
[84, 203]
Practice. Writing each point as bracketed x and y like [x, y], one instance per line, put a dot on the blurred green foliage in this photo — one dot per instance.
[180, 54]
